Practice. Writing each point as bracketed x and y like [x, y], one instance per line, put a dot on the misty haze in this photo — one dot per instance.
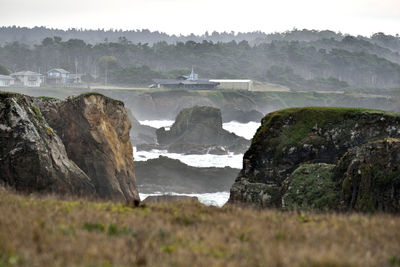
[184, 133]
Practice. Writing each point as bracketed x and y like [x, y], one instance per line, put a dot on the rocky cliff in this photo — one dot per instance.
[32, 156]
[291, 137]
[200, 126]
[92, 133]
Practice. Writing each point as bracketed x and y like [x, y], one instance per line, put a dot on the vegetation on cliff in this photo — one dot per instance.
[45, 231]
[292, 137]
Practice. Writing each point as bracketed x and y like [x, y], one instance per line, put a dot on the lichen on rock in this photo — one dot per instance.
[370, 177]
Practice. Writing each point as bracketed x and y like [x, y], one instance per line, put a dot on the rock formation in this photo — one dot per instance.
[82, 142]
[95, 131]
[370, 177]
[199, 127]
[291, 137]
[171, 175]
[33, 157]
[169, 199]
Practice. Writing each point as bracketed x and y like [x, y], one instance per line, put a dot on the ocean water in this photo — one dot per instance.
[210, 199]
[246, 130]
[158, 123]
[207, 160]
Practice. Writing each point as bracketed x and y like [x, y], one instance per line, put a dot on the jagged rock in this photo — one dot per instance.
[370, 177]
[33, 157]
[170, 175]
[200, 126]
[169, 199]
[95, 132]
[290, 137]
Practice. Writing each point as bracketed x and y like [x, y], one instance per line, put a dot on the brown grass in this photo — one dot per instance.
[45, 231]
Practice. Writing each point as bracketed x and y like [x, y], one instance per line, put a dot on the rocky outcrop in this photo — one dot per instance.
[291, 137]
[370, 177]
[95, 132]
[32, 156]
[170, 175]
[199, 126]
[169, 199]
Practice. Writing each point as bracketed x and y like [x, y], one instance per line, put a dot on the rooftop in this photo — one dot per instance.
[5, 77]
[59, 70]
[25, 73]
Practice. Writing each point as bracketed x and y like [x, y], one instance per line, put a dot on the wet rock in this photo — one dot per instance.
[200, 126]
[169, 199]
[169, 175]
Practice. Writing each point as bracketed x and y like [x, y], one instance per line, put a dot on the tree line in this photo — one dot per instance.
[319, 64]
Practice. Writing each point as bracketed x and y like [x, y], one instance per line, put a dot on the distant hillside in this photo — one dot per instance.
[298, 59]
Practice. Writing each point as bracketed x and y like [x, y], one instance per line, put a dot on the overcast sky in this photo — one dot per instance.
[193, 16]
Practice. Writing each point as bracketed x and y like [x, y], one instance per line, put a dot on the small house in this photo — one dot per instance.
[28, 78]
[57, 76]
[6, 81]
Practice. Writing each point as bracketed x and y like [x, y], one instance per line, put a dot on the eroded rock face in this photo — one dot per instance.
[290, 137]
[200, 127]
[33, 157]
[370, 177]
[95, 131]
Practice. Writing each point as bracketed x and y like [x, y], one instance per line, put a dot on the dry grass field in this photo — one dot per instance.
[47, 231]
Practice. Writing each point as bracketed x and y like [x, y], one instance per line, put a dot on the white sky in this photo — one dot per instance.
[186, 16]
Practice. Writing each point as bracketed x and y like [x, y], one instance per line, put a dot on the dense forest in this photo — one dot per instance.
[301, 60]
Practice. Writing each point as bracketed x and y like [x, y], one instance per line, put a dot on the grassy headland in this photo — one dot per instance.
[46, 231]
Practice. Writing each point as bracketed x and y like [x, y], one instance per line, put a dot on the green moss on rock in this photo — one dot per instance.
[311, 187]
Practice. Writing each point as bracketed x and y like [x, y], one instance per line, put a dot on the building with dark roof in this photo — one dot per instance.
[185, 82]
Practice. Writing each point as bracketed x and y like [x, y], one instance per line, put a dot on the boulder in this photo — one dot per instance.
[95, 132]
[200, 126]
[32, 156]
[369, 176]
[290, 137]
[170, 175]
[169, 199]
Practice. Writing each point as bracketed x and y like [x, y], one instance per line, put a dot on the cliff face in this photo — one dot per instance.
[291, 137]
[95, 131]
[370, 177]
[32, 157]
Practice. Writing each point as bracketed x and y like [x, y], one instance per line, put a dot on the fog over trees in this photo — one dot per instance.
[299, 59]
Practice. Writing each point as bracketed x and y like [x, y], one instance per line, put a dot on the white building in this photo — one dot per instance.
[6, 81]
[234, 84]
[28, 78]
[57, 76]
